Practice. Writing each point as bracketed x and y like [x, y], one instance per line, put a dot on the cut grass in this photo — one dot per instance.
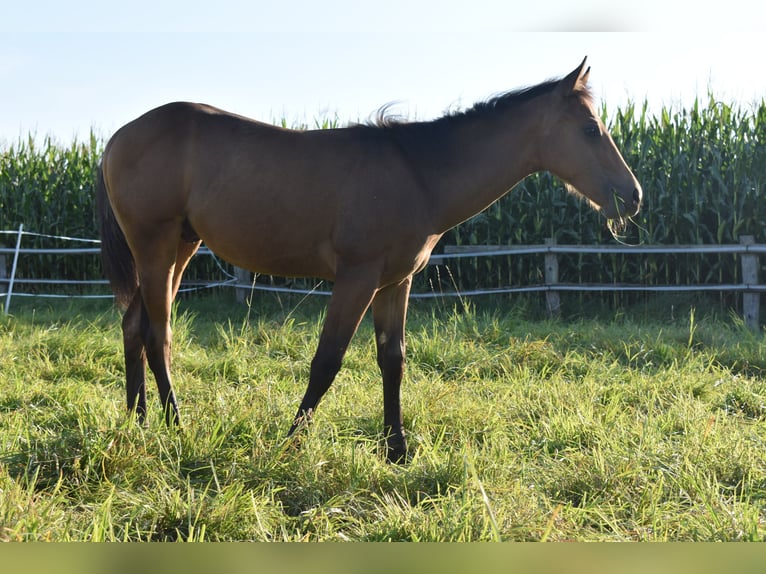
[520, 429]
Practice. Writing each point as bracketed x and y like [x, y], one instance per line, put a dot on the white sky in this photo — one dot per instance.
[67, 67]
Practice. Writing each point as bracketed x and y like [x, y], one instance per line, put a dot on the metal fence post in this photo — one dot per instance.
[751, 302]
[552, 299]
[13, 269]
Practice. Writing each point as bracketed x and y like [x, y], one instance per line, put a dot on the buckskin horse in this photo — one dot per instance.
[361, 206]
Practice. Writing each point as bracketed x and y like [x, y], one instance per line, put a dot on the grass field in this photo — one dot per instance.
[635, 426]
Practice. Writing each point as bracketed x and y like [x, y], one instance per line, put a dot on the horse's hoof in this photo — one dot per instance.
[396, 453]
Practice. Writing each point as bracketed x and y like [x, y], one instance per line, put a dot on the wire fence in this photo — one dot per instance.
[242, 282]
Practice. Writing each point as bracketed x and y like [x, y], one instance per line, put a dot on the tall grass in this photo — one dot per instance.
[48, 188]
[704, 170]
[519, 429]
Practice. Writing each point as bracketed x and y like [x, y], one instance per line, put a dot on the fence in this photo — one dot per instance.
[240, 280]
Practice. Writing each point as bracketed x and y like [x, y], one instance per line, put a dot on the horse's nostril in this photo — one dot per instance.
[636, 196]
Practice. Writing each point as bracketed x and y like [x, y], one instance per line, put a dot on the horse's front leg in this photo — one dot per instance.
[352, 294]
[389, 310]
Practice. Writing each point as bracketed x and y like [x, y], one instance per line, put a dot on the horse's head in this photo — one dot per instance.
[577, 148]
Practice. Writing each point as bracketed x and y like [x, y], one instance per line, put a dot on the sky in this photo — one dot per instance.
[67, 68]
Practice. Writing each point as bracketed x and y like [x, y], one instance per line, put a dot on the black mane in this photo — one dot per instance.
[422, 134]
[383, 120]
[430, 136]
[507, 100]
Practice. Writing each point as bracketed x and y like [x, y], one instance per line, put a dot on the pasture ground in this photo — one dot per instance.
[631, 426]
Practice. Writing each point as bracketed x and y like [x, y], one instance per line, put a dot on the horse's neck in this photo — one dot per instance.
[487, 159]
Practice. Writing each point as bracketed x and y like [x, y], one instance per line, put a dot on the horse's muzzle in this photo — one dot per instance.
[625, 204]
[638, 196]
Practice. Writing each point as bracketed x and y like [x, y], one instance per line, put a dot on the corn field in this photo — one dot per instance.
[703, 170]
[49, 188]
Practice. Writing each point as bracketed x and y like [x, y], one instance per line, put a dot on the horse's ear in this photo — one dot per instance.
[575, 79]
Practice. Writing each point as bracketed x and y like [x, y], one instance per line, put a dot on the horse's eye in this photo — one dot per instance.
[592, 130]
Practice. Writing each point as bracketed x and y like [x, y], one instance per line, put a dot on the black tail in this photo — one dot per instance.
[116, 259]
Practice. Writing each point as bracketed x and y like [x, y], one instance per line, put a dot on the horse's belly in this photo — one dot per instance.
[314, 259]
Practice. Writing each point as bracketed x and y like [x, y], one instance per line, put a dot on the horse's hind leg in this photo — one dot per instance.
[160, 263]
[159, 362]
[145, 339]
[186, 249]
[134, 324]
[156, 294]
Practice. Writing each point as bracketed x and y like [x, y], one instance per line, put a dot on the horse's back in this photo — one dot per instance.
[273, 200]
[155, 161]
[170, 129]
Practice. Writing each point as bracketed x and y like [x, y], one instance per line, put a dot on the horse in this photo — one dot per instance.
[361, 206]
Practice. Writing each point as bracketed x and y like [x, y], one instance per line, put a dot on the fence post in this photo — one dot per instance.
[3, 273]
[751, 302]
[243, 279]
[552, 300]
[13, 268]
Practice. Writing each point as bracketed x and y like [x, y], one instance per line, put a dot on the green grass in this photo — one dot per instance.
[616, 428]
